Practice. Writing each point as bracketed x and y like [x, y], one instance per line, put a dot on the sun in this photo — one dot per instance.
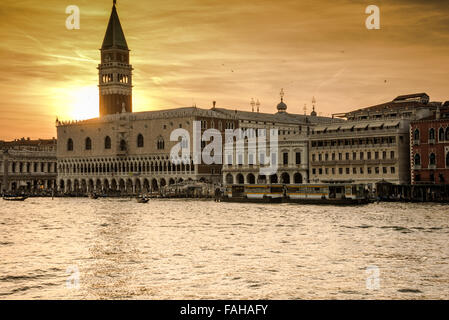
[83, 103]
[73, 102]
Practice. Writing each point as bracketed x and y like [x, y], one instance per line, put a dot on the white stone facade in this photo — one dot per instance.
[372, 146]
[292, 164]
[28, 168]
[130, 152]
[292, 154]
[360, 152]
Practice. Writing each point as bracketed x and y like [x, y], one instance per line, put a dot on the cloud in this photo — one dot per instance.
[196, 51]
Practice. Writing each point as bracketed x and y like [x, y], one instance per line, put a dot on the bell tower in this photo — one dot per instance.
[115, 72]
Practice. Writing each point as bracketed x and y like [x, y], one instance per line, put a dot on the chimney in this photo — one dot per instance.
[438, 113]
[213, 104]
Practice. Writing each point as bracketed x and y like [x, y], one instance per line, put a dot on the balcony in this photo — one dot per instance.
[416, 167]
[354, 146]
[354, 162]
[324, 163]
[361, 133]
[416, 142]
[31, 175]
[389, 161]
[431, 141]
[432, 166]
[122, 153]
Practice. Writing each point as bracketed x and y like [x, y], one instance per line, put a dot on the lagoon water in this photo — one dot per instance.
[71, 248]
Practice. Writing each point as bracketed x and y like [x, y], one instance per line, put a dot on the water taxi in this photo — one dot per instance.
[254, 193]
[301, 193]
[15, 198]
[326, 193]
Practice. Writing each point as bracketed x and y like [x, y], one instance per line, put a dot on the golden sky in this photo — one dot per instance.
[187, 52]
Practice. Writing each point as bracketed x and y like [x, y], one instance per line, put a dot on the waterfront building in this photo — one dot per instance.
[127, 152]
[371, 146]
[130, 152]
[28, 165]
[292, 155]
[430, 148]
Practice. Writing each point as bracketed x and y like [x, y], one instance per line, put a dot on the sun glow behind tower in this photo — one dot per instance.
[80, 102]
[84, 103]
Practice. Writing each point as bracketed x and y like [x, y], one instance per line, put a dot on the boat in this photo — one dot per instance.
[331, 194]
[254, 193]
[93, 196]
[142, 200]
[15, 198]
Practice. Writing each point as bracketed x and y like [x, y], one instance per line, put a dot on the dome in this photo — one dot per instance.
[282, 107]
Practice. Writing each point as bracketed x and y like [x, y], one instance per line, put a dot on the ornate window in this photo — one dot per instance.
[122, 145]
[88, 144]
[432, 159]
[417, 159]
[298, 157]
[140, 141]
[285, 158]
[160, 143]
[441, 134]
[432, 134]
[447, 160]
[446, 136]
[416, 135]
[107, 142]
[70, 145]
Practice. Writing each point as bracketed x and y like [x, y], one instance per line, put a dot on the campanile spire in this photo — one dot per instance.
[115, 72]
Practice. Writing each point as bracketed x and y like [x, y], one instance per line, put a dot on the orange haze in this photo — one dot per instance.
[195, 51]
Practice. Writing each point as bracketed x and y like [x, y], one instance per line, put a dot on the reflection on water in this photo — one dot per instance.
[177, 249]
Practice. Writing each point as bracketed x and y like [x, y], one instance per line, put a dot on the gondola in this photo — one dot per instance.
[15, 198]
[142, 200]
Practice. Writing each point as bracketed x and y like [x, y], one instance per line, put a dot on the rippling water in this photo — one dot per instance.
[177, 249]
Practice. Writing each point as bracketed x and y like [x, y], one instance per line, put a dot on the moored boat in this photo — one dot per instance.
[142, 200]
[15, 198]
[331, 194]
[254, 193]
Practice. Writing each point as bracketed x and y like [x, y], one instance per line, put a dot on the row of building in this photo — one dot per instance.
[29, 165]
[402, 142]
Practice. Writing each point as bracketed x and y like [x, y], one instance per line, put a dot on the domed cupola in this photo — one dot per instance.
[313, 113]
[282, 107]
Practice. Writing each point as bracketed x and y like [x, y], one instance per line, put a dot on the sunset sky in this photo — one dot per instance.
[187, 52]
